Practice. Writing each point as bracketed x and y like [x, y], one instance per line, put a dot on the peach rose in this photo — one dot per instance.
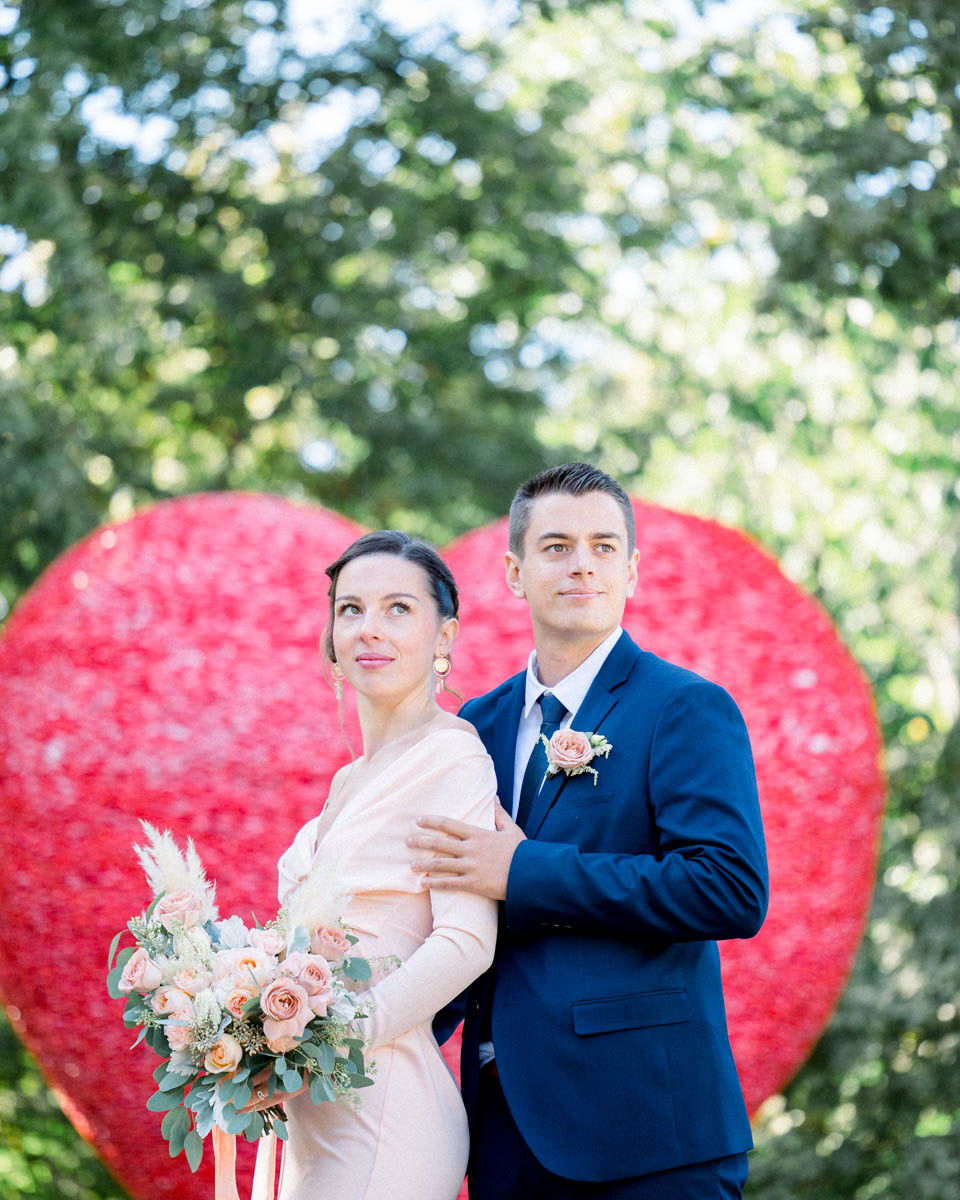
[192, 979]
[140, 973]
[184, 907]
[178, 1036]
[268, 940]
[236, 998]
[225, 1055]
[314, 976]
[169, 1001]
[330, 942]
[286, 1013]
[568, 748]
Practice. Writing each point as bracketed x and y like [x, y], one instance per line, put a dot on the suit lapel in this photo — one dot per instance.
[589, 718]
[505, 726]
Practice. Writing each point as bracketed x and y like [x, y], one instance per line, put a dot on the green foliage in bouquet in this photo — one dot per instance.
[237, 1015]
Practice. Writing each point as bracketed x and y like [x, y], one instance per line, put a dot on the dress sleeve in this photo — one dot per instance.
[461, 944]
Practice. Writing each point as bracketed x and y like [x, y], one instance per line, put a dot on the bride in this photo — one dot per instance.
[393, 619]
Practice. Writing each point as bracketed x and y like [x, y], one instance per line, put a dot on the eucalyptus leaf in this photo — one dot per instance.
[193, 1148]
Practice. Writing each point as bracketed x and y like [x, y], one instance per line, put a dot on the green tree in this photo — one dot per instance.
[723, 265]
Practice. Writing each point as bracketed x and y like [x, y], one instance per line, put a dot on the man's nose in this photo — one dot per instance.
[580, 561]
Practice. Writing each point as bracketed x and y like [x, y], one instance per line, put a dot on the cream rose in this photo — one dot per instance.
[140, 973]
[184, 907]
[330, 942]
[249, 965]
[568, 748]
[192, 980]
[225, 1055]
[268, 940]
[169, 1001]
[286, 1013]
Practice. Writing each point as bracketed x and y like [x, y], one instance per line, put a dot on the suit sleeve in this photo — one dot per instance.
[461, 944]
[707, 879]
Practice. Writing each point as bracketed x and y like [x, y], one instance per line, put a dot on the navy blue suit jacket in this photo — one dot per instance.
[605, 995]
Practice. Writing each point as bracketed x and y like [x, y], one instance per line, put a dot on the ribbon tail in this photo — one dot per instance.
[265, 1174]
[225, 1165]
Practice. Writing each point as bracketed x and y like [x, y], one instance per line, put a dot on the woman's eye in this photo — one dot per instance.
[348, 609]
[399, 607]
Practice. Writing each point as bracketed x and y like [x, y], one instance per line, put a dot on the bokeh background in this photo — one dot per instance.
[396, 256]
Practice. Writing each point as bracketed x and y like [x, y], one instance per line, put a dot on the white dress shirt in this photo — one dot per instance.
[571, 691]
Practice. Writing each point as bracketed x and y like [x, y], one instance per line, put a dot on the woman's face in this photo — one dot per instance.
[386, 628]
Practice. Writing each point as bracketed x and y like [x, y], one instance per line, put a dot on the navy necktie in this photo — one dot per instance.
[553, 711]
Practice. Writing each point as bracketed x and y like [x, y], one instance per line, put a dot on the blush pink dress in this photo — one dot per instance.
[408, 1138]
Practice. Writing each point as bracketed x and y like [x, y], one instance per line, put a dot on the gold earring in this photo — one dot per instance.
[442, 666]
[337, 682]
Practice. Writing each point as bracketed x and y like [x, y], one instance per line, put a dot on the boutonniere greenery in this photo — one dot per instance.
[573, 752]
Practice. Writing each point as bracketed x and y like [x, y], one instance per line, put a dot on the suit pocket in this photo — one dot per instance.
[589, 796]
[611, 1013]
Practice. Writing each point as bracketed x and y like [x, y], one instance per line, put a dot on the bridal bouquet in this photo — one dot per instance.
[234, 1012]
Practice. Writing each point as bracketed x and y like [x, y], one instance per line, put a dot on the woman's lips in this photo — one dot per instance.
[372, 661]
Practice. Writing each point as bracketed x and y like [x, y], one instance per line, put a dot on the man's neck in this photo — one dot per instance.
[556, 658]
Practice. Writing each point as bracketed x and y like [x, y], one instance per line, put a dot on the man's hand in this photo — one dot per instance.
[465, 857]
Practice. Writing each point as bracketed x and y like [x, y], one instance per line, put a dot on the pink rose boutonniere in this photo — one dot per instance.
[573, 752]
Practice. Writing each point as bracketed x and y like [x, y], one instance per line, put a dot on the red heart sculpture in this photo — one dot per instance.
[167, 668]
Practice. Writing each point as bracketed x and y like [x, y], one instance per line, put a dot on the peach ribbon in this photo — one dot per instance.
[225, 1167]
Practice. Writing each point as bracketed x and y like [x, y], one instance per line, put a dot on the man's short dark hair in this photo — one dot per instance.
[575, 479]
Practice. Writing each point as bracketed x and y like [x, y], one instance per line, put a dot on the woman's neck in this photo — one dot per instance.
[384, 721]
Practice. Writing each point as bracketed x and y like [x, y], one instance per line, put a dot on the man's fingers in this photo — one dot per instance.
[456, 829]
[446, 866]
[446, 847]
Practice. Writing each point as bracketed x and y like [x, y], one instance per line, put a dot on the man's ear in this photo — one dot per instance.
[633, 570]
[514, 580]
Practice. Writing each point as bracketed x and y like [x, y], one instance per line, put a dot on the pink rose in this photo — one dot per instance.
[140, 973]
[184, 907]
[330, 942]
[170, 1001]
[178, 1036]
[268, 940]
[313, 974]
[192, 979]
[225, 1055]
[236, 998]
[287, 1012]
[568, 748]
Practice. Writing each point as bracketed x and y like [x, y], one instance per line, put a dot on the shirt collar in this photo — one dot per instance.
[573, 688]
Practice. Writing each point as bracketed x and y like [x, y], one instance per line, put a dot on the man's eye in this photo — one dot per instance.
[606, 547]
[556, 548]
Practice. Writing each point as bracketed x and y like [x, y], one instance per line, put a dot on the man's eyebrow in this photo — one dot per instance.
[568, 537]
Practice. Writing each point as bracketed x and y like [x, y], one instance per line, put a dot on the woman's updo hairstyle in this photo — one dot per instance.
[443, 587]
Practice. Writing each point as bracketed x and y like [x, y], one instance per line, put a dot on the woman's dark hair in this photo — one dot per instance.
[392, 541]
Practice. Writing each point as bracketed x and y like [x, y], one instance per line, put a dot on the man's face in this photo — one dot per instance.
[576, 571]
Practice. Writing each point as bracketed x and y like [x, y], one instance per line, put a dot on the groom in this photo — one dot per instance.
[595, 1054]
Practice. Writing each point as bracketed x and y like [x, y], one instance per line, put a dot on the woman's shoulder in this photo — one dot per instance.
[454, 734]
